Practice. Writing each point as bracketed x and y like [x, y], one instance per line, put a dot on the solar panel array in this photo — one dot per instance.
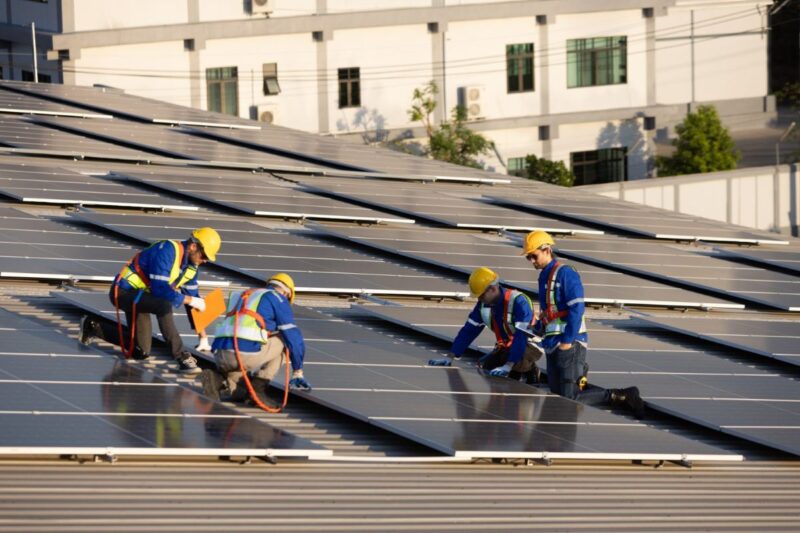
[60, 397]
[315, 264]
[463, 252]
[261, 195]
[21, 104]
[784, 258]
[634, 218]
[446, 204]
[696, 385]
[39, 184]
[369, 377]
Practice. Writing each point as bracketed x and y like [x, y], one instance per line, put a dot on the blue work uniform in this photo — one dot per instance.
[277, 314]
[157, 262]
[503, 322]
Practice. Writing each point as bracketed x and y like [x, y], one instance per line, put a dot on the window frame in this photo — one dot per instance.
[597, 61]
[349, 80]
[602, 167]
[227, 79]
[270, 85]
[518, 57]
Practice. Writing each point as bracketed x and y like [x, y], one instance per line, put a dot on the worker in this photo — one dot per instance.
[265, 328]
[563, 328]
[159, 279]
[503, 311]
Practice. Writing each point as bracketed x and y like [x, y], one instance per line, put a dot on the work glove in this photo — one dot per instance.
[501, 371]
[445, 361]
[203, 345]
[298, 382]
[198, 303]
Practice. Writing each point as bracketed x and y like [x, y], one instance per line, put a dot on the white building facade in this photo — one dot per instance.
[586, 82]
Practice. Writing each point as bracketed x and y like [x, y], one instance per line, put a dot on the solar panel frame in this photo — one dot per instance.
[639, 441]
[787, 259]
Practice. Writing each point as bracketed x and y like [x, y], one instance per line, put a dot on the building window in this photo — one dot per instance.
[598, 61]
[27, 75]
[349, 87]
[517, 166]
[222, 86]
[599, 166]
[271, 85]
[519, 61]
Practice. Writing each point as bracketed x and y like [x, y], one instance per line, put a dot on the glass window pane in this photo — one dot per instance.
[214, 97]
[355, 87]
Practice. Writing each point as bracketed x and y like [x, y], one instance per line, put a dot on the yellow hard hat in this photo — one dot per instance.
[480, 280]
[210, 240]
[285, 279]
[535, 240]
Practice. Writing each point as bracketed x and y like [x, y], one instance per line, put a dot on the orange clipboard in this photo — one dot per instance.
[215, 306]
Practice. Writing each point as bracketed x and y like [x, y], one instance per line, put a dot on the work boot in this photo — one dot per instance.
[89, 330]
[188, 364]
[628, 398]
[213, 382]
[139, 354]
[260, 387]
[534, 376]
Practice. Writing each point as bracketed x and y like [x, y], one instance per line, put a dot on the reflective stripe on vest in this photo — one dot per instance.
[137, 279]
[508, 322]
[248, 328]
[550, 316]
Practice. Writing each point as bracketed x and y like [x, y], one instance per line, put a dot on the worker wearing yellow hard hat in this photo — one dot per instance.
[562, 326]
[261, 323]
[502, 310]
[156, 281]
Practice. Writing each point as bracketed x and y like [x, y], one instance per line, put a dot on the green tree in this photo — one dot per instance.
[555, 172]
[451, 141]
[703, 145]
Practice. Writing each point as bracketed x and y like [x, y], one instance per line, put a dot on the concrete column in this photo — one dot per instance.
[323, 100]
[543, 83]
[195, 76]
[438, 57]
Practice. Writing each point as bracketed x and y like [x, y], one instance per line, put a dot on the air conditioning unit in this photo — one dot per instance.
[471, 98]
[267, 113]
[262, 7]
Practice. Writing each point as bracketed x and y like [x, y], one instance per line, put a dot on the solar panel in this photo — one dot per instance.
[163, 140]
[50, 185]
[784, 258]
[22, 104]
[39, 248]
[450, 205]
[463, 252]
[261, 195]
[634, 218]
[697, 385]
[20, 133]
[457, 412]
[118, 103]
[689, 267]
[315, 264]
[774, 339]
[60, 397]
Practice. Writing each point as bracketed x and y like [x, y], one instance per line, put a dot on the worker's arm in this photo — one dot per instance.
[292, 337]
[572, 295]
[522, 315]
[469, 332]
[160, 267]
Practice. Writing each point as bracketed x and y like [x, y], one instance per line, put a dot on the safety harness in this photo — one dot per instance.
[134, 274]
[239, 310]
[507, 326]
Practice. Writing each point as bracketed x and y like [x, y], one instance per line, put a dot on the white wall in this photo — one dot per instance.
[339, 6]
[475, 55]
[388, 78]
[106, 15]
[748, 194]
[158, 70]
[296, 58]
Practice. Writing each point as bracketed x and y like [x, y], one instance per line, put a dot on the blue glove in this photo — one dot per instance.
[501, 371]
[298, 382]
[440, 362]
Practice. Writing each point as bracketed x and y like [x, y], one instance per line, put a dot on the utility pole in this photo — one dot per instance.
[35, 59]
[776, 184]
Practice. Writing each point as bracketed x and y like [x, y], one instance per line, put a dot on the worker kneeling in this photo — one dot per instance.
[503, 311]
[260, 324]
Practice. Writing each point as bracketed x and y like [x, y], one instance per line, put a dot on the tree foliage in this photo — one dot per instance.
[555, 172]
[451, 141]
[703, 145]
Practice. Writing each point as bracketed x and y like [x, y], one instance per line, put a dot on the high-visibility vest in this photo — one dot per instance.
[550, 316]
[508, 321]
[251, 325]
[138, 279]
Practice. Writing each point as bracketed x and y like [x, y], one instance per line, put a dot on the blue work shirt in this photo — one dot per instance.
[569, 296]
[156, 262]
[521, 312]
[278, 316]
